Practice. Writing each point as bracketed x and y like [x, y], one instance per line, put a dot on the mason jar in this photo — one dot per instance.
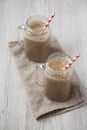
[58, 80]
[36, 38]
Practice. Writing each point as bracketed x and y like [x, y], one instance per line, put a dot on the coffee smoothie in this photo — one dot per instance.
[57, 80]
[36, 41]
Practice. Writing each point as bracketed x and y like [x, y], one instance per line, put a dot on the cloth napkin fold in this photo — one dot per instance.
[40, 105]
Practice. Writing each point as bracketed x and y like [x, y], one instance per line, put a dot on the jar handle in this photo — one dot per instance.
[21, 29]
[40, 68]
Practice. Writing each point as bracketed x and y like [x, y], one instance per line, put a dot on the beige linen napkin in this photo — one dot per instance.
[40, 105]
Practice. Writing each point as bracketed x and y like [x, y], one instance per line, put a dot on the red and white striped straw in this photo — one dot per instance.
[71, 62]
[49, 20]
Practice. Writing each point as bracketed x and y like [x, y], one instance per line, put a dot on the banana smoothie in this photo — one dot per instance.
[36, 40]
[57, 80]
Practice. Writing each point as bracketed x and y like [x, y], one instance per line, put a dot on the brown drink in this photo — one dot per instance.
[36, 41]
[57, 80]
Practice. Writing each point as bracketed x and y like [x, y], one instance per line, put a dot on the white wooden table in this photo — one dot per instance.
[70, 28]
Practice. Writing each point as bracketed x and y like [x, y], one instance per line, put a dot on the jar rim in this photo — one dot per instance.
[38, 17]
[59, 54]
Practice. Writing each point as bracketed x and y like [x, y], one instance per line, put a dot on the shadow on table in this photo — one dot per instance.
[55, 45]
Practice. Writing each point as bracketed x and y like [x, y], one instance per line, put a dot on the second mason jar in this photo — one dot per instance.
[57, 80]
[37, 38]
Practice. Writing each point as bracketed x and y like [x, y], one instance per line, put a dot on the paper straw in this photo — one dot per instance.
[71, 62]
[49, 20]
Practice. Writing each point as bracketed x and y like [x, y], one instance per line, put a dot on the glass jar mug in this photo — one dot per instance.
[36, 38]
[57, 80]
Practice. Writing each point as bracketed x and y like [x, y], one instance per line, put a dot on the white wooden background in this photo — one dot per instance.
[70, 28]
